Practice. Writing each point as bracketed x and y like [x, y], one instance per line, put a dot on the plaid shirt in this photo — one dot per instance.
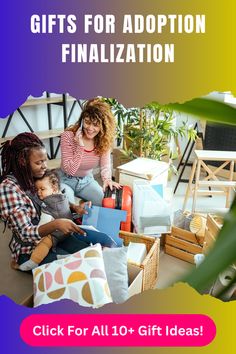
[18, 211]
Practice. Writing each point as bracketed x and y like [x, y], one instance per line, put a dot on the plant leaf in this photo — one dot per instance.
[220, 257]
[208, 109]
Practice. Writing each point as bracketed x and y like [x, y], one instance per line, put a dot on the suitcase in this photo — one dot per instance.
[120, 199]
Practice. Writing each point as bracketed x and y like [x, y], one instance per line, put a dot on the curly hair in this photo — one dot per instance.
[15, 159]
[99, 112]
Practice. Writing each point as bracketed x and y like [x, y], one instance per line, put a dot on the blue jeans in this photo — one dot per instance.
[85, 188]
[68, 246]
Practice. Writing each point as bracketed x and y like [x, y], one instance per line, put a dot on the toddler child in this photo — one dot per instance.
[55, 205]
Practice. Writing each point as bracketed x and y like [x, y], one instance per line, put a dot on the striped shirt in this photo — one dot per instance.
[18, 211]
[76, 161]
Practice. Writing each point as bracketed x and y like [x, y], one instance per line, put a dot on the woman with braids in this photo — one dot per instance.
[24, 160]
[84, 146]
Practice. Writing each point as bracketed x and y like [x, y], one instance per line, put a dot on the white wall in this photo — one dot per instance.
[38, 119]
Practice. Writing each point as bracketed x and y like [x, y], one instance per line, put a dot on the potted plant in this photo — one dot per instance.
[148, 131]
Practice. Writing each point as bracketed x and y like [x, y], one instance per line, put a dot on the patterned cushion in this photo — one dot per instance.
[79, 277]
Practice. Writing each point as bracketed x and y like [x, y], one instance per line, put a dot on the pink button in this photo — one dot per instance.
[118, 330]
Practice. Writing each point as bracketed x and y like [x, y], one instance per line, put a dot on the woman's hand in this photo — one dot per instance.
[79, 137]
[67, 226]
[80, 209]
[109, 183]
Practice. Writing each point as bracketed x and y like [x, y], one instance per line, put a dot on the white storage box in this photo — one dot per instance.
[135, 280]
[136, 252]
[151, 213]
[155, 172]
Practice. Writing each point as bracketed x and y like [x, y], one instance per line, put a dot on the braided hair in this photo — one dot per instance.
[15, 159]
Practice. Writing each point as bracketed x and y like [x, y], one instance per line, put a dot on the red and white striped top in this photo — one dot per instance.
[76, 161]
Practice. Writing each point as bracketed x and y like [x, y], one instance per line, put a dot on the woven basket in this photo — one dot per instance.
[151, 262]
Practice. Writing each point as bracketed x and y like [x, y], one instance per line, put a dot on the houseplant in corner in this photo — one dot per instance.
[149, 131]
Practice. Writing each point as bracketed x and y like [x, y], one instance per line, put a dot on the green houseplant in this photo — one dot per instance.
[148, 131]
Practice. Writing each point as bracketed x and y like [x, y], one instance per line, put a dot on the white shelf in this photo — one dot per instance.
[45, 134]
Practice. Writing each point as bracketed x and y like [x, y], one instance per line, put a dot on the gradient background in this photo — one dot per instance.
[180, 299]
[30, 64]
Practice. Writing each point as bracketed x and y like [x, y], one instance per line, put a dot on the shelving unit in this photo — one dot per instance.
[44, 134]
[50, 133]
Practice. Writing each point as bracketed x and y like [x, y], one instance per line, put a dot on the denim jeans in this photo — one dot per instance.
[85, 188]
[68, 246]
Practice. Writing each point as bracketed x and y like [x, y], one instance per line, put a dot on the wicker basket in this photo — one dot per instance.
[151, 262]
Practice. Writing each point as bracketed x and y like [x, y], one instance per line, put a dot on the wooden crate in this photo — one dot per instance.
[183, 244]
[150, 264]
[213, 226]
[119, 157]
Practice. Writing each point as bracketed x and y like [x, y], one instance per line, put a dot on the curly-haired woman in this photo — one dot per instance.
[84, 146]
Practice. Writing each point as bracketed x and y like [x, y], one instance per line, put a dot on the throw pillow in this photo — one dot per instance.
[79, 277]
[115, 260]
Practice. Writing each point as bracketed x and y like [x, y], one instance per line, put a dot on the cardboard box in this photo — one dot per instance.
[119, 157]
[135, 280]
[155, 172]
[183, 244]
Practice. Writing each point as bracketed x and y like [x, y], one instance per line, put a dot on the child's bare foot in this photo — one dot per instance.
[14, 265]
